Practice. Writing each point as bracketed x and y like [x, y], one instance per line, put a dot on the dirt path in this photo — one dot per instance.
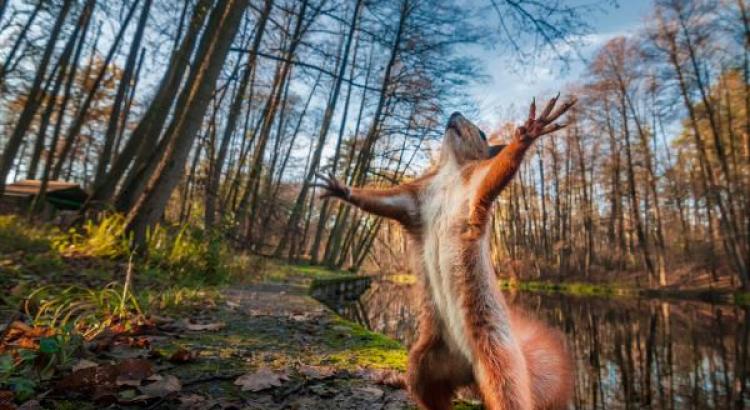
[264, 346]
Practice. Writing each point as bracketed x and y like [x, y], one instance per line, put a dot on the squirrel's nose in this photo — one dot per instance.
[454, 118]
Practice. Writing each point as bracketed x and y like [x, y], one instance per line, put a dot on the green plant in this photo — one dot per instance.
[105, 238]
[87, 311]
[17, 235]
[190, 256]
[22, 369]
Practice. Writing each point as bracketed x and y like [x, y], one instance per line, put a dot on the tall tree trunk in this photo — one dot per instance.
[131, 89]
[83, 21]
[323, 216]
[33, 99]
[10, 58]
[146, 134]
[269, 115]
[114, 116]
[212, 184]
[326, 124]
[635, 212]
[220, 31]
[71, 77]
[83, 110]
[731, 237]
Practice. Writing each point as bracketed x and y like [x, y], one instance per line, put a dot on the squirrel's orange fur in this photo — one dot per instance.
[467, 333]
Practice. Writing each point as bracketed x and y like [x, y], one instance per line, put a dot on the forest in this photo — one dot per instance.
[159, 170]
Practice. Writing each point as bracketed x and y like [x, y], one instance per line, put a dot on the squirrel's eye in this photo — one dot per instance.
[481, 135]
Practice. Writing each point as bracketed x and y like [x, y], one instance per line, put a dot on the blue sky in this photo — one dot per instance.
[510, 88]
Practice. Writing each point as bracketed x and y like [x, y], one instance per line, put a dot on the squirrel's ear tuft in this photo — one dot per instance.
[494, 150]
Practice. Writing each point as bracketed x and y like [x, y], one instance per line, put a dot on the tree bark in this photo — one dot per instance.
[212, 184]
[217, 38]
[325, 125]
[33, 99]
[145, 136]
[114, 116]
[83, 111]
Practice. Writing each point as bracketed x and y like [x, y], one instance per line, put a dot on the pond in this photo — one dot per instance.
[629, 352]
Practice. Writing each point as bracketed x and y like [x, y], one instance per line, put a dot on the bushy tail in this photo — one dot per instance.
[547, 360]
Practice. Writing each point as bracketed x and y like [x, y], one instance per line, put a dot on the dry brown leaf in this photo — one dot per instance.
[199, 327]
[182, 356]
[6, 400]
[161, 388]
[262, 379]
[316, 372]
[31, 405]
[191, 401]
[102, 378]
[83, 364]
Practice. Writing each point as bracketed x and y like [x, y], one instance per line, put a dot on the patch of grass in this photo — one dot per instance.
[269, 270]
[318, 272]
[17, 236]
[354, 346]
[572, 288]
[179, 298]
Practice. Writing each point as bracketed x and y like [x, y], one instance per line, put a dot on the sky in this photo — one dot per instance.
[510, 88]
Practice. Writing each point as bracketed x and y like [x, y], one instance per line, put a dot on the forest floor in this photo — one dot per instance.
[258, 346]
[256, 341]
[261, 346]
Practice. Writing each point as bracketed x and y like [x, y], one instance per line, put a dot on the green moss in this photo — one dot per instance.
[572, 288]
[18, 236]
[354, 346]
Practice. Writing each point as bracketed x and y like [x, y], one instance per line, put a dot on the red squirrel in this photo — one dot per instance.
[467, 334]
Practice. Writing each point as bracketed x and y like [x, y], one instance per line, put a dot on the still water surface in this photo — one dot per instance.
[630, 353]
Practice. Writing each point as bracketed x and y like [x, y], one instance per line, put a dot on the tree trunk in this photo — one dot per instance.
[114, 116]
[146, 134]
[325, 125]
[212, 184]
[83, 110]
[220, 31]
[33, 99]
[63, 68]
[5, 68]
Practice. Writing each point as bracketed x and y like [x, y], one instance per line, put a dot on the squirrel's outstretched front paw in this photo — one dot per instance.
[332, 187]
[535, 127]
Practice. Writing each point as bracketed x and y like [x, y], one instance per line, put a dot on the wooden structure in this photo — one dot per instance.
[60, 195]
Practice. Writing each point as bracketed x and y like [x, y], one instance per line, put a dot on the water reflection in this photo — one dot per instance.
[630, 353]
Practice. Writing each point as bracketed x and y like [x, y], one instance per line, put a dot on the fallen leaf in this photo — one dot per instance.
[371, 392]
[161, 388]
[6, 400]
[316, 372]
[199, 327]
[190, 401]
[31, 405]
[83, 364]
[101, 379]
[262, 379]
[182, 356]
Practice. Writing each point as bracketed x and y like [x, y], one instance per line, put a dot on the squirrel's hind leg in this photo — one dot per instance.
[435, 372]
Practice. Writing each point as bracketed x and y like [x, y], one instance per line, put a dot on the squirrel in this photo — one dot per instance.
[467, 334]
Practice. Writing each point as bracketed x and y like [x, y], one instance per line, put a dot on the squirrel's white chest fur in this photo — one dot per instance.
[444, 210]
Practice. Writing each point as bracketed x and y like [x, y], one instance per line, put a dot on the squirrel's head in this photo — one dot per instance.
[464, 142]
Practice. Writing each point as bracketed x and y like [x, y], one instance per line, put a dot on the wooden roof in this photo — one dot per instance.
[62, 194]
[32, 186]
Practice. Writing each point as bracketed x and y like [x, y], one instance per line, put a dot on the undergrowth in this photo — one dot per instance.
[65, 288]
